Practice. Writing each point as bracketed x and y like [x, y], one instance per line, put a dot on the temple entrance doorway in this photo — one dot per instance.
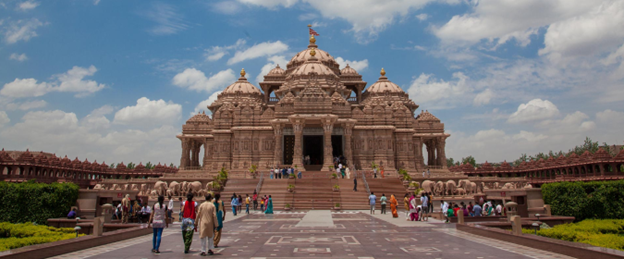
[289, 149]
[336, 145]
[313, 147]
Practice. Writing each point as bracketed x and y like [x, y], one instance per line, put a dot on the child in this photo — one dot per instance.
[262, 204]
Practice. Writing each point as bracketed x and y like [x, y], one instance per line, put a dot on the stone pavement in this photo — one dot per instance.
[348, 234]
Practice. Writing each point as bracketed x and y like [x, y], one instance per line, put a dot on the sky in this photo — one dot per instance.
[114, 81]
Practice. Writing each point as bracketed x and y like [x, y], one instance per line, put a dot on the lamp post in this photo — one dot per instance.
[535, 226]
[537, 216]
[77, 228]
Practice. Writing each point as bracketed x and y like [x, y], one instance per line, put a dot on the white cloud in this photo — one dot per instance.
[4, 118]
[422, 16]
[307, 16]
[96, 2]
[609, 115]
[27, 5]
[483, 98]
[26, 105]
[227, 7]
[19, 57]
[433, 93]
[70, 81]
[203, 105]
[21, 30]
[534, 110]
[25, 88]
[147, 112]
[194, 79]
[264, 49]
[167, 18]
[217, 52]
[357, 65]
[273, 61]
[271, 4]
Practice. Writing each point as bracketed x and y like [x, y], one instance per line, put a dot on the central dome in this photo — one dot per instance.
[321, 55]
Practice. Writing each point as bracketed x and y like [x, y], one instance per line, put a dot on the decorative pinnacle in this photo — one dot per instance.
[383, 72]
[242, 73]
[312, 39]
[309, 25]
[312, 52]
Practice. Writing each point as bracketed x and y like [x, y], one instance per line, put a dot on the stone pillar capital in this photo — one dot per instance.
[298, 125]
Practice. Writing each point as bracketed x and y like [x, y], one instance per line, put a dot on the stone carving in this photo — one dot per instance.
[450, 187]
[174, 189]
[160, 187]
[438, 190]
[428, 186]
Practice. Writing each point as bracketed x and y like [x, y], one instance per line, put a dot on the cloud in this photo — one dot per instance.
[4, 118]
[167, 18]
[227, 7]
[25, 88]
[273, 61]
[534, 110]
[217, 52]
[19, 57]
[357, 65]
[26, 105]
[203, 105]
[96, 2]
[194, 79]
[70, 81]
[264, 49]
[28, 5]
[483, 98]
[307, 16]
[21, 30]
[439, 93]
[422, 16]
[271, 4]
[147, 112]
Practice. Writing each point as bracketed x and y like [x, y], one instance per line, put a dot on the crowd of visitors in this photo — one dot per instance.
[284, 172]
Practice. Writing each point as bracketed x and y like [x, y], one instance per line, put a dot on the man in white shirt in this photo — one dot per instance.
[372, 199]
[444, 207]
[499, 210]
[170, 208]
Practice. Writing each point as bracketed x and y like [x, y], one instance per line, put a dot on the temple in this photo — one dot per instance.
[308, 114]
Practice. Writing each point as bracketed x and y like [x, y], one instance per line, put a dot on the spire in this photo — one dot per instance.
[383, 72]
[242, 73]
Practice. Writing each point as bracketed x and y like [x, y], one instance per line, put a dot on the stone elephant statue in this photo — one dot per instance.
[509, 186]
[134, 187]
[153, 193]
[143, 190]
[160, 187]
[528, 186]
[98, 187]
[209, 186]
[126, 187]
[195, 187]
[450, 187]
[460, 191]
[496, 185]
[184, 188]
[439, 188]
[116, 187]
[473, 188]
[428, 186]
[174, 188]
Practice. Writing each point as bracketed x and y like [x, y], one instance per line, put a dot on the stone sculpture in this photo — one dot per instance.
[450, 187]
[160, 187]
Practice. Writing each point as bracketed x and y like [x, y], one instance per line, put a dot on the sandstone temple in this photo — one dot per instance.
[308, 114]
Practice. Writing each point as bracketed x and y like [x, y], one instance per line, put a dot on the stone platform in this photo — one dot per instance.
[353, 234]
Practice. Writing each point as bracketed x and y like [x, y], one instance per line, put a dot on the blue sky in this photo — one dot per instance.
[115, 80]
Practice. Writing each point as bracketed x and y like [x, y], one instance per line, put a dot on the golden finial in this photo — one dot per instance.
[312, 39]
[309, 25]
[312, 52]
[243, 72]
[383, 72]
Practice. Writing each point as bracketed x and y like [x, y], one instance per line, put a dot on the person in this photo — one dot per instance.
[428, 173]
[499, 210]
[382, 172]
[299, 175]
[247, 201]
[269, 206]
[343, 172]
[406, 205]
[72, 214]
[240, 203]
[255, 200]
[207, 222]
[450, 213]
[271, 172]
[383, 200]
[469, 208]
[464, 210]
[125, 212]
[146, 212]
[355, 184]
[375, 172]
[455, 209]
[372, 198]
[136, 210]
[180, 213]
[117, 214]
[348, 172]
[444, 208]
[234, 203]
[424, 199]
[393, 206]
[262, 204]
[476, 210]
[489, 209]
[220, 208]
[189, 213]
[424, 173]
[158, 221]
[170, 209]
[413, 207]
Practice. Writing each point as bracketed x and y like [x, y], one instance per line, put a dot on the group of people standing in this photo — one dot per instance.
[372, 198]
[414, 211]
[284, 172]
[237, 203]
[476, 210]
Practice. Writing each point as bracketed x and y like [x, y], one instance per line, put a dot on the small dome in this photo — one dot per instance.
[384, 85]
[277, 71]
[241, 86]
[199, 118]
[348, 71]
[426, 116]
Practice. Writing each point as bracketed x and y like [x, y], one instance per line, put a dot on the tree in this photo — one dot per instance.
[172, 165]
[149, 165]
[112, 166]
[450, 162]
[469, 160]
[131, 165]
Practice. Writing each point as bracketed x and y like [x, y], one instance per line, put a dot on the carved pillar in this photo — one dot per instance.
[348, 134]
[278, 132]
[298, 125]
[328, 159]
[441, 153]
[430, 153]
[420, 161]
[185, 160]
[206, 155]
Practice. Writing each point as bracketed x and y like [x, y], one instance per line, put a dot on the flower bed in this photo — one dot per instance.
[607, 233]
[24, 234]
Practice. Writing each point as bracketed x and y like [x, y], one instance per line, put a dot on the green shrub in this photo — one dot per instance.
[604, 233]
[36, 202]
[24, 234]
[586, 200]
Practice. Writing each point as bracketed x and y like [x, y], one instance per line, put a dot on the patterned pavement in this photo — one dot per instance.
[354, 234]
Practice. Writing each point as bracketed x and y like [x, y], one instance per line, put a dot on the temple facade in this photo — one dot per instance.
[309, 113]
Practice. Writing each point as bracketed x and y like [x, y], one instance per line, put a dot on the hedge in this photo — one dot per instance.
[36, 202]
[586, 200]
[597, 232]
[18, 235]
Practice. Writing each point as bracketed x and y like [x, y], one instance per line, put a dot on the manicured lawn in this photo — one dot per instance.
[24, 234]
[598, 232]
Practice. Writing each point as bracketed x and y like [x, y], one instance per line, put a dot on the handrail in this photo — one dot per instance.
[259, 185]
[365, 182]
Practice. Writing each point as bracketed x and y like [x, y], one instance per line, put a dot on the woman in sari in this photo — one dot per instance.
[382, 172]
[488, 210]
[269, 206]
[393, 206]
[406, 204]
[220, 208]
[188, 221]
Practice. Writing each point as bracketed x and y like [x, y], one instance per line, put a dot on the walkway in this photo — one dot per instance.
[350, 234]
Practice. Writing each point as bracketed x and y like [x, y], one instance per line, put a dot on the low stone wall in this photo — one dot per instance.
[72, 245]
[481, 219]
[576, 250]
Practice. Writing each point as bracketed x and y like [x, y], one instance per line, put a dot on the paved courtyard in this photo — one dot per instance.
[313, 234]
